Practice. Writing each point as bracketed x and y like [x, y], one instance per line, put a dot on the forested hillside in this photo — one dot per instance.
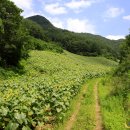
[79, 43]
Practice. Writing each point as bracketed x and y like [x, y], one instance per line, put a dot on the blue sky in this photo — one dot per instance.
[109, 18]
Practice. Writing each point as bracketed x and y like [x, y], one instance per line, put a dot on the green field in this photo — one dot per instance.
[42, 93]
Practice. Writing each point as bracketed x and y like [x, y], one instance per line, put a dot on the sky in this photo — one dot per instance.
[108, 18]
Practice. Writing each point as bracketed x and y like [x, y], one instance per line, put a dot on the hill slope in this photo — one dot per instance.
[79, 43]
[43, 93]
[46, 24]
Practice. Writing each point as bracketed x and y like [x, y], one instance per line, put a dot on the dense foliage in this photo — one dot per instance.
[124, 66]
[37, 39]
[112, 106]
[38, 44]
[114, 93]
[79, 43]
[34, 29]
[123, 73]
[12, 37]
[42, 21]
[43, 93]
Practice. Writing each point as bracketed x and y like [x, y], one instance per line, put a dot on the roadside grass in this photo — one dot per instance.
[127, 108]
[113, 113]
[86, 116]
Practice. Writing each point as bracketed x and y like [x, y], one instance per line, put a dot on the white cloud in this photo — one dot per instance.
[77, 25]
[76, 4]
[113, 12]
[26, 6]
[55, 9]
[31, 13]
[126, 17]
[56, 22]
[115, 37]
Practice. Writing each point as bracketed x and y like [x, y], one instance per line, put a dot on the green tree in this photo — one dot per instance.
[34, 29]
[1, 27]
[12, 37]
[125, 49]
[124, 65]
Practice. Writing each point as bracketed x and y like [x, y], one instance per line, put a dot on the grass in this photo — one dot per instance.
[127, 105]
[113, 114]
[86, 117]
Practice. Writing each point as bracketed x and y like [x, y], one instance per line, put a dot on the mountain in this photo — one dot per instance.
[42, 21]
[79, 43]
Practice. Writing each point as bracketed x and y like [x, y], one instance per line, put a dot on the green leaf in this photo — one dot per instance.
[0, 22]
[4, 111]
[12, 126]
[30, 113]
[20, 117]
[58, 110]
[26, 128]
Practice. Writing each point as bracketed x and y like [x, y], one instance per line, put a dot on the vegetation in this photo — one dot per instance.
[18, 35]
[34, 29]
[12, 37]
[114, 93]
[79, 43]
[37, 44]
[43, 93]
[86, 117]
[42, 21]
[124, 66]
[113, 114]
[37, 39]
[123, 72]
[38, 92]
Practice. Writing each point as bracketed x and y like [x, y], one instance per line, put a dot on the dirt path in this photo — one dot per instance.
[98, 110]
[72, 119]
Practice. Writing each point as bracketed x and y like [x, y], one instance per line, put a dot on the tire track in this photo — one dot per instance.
[72, 119]
[99, 125]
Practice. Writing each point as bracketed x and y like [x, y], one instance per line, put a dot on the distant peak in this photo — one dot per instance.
[42, 21]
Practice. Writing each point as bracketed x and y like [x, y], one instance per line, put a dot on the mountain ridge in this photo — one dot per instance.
[50, 25]
[79, 43]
